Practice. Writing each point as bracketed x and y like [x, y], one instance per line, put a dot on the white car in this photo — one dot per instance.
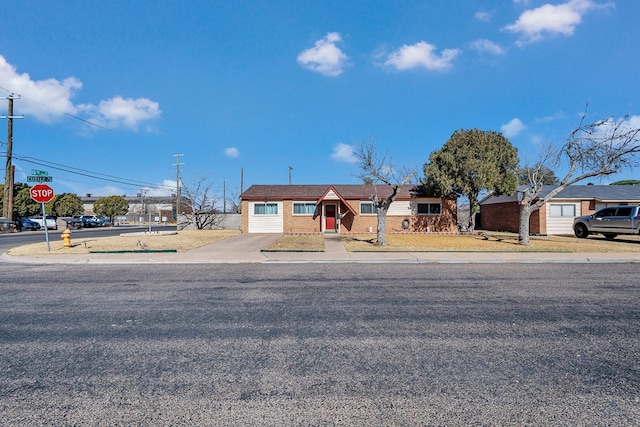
[52, 221]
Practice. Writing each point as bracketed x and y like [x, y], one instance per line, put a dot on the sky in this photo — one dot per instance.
[261, 92]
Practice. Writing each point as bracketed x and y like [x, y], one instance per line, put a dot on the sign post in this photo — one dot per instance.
[42, 194]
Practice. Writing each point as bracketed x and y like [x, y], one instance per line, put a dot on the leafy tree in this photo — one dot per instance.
[627, 182]
[381, 170]
[111, 206]
[595, 149]
[65, 204]
[547, 176]
[23, 204]
[470, 162]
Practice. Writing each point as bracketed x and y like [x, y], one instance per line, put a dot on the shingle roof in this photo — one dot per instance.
[599, 192]
[314, 192]
[603, 193]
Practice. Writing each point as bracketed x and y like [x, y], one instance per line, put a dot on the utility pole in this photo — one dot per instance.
[224, 196]
[7, 206]
[177, 165]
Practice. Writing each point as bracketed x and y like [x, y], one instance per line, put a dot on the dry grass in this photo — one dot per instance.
[181, 242]
[490, 242]
[298, 243]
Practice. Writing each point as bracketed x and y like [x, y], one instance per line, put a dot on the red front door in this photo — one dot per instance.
[330, 217]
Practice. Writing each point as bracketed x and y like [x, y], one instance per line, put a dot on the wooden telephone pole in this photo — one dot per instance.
[7, 205]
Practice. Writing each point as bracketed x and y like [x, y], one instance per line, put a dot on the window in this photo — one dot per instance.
[367, 208]
[265, 209]
[429, 208]
[623, 212]
[558, 210]
[304, 208]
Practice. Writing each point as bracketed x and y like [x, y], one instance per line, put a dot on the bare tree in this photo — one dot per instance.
[597, 149]
[381, 170]
[201, 212]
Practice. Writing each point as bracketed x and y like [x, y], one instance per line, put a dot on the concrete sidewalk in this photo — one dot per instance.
[247, 248]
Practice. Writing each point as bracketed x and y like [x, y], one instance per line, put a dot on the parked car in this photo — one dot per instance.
[52, 221]
[609, 222]
[75, 222]
[27, 224]
[6, 225]
[86, 221]
[90, 221]
[104, 221]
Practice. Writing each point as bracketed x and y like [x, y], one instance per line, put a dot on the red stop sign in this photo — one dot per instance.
[41, 193]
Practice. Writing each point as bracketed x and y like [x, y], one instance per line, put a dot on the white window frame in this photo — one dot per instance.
[265, 206]
[429, 204]
[306, 205]
[562, 206]
[373, 208]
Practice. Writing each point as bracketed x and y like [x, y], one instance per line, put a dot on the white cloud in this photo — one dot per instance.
[344, 153]
[50, 99]
[421, 55]
[118, 112]
[231, 152]
[487, 46]
[562, 19]
[324, 57]
[483, 16]
[550, 118]
[513, 128]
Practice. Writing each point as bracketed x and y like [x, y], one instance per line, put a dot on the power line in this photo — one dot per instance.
[89, 174]
[59, 111]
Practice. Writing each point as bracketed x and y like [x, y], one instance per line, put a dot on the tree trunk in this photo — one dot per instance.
[382, 227]
[523, 229]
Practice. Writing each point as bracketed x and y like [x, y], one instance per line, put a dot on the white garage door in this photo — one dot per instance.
[560, 217]
[266, 217]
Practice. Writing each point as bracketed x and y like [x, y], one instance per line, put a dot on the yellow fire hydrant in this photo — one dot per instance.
[66, 236]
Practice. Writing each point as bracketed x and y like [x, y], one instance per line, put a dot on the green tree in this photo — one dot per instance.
[627, 182]
[470, 162]
[23, 204]
[17, 188]
[528, 173]
[65, 204]
[111, 206]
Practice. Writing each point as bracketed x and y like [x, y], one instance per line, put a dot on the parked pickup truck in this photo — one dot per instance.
[51, 221]
[609, 222]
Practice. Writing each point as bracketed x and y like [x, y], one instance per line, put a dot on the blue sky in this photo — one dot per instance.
[112, 90]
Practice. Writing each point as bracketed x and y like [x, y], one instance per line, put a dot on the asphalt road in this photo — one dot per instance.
[320, 344]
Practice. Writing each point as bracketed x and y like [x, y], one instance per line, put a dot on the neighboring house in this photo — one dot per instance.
[342, 209]
[502, 213]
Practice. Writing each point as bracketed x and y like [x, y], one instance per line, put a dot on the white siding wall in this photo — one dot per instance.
[561, 225]
[266, 223]
[400, 208]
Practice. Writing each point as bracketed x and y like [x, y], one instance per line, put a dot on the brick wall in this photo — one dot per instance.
[506, 217]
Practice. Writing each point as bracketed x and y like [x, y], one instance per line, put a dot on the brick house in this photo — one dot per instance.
[342, 209]
[502, 213]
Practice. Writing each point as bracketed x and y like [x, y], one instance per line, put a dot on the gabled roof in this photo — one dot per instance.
[332, 190]
[315, 192]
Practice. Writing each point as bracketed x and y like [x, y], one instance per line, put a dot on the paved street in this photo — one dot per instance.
[320, 344]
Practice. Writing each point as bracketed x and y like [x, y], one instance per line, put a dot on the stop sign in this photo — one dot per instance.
[41, 193]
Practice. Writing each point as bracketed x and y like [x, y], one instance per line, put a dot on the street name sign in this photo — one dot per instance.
[40, 178]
